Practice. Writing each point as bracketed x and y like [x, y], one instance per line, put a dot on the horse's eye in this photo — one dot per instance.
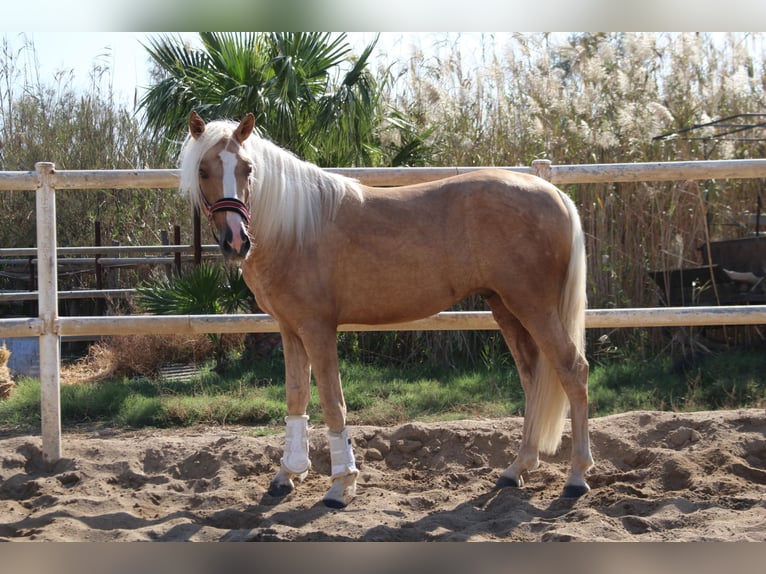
[203, 174]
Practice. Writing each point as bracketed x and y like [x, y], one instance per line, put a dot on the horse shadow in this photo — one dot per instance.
[494, 515]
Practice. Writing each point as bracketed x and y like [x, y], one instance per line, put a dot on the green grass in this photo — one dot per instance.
[254, 394]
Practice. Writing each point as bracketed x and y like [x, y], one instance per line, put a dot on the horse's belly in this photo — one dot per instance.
[396, 304]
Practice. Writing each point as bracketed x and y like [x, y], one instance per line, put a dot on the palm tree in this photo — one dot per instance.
[294, 83]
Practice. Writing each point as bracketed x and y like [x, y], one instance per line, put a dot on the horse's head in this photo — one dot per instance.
[225, 173]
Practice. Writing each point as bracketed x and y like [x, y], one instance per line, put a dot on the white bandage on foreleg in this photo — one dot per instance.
[296, 455]
[341, 454]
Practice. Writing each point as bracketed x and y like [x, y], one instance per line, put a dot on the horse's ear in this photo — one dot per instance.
[245, 128]
[196, 125]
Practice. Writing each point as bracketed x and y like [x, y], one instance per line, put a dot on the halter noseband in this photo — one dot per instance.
[225, 204]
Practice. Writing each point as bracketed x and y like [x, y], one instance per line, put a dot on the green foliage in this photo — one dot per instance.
[207, 289]
[253, 393]
[22, 408]
[717, 381]
[286, 79]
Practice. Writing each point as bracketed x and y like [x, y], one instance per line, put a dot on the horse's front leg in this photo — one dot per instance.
[321, 345]
[295, 463]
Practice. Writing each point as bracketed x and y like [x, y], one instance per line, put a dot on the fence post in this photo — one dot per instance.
[197, 238]
[98, 269]
[542, 168]
[50, 353]
[96, 262]
[177, 241]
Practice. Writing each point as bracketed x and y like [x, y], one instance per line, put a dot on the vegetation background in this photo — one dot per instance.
[586, 98]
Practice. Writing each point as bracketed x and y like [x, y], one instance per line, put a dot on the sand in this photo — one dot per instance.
[659, 476]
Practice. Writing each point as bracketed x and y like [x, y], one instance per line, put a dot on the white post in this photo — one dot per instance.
[50, 391]
[542, 168]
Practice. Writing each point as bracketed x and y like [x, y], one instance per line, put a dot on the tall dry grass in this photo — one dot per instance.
[501, 99]
[601, 98]
[136, 355]
[47, 119]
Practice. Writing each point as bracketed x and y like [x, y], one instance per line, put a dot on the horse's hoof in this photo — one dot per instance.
[575, 490]
[342, 491]
[334, 503]
[506, 482]
[279, 490]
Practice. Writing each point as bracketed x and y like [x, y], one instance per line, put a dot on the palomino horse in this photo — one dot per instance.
[321, 250]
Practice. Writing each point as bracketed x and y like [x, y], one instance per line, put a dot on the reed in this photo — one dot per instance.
[506, 100]
[44, 119]
[601, 98]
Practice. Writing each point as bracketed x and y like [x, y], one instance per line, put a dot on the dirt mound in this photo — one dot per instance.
[658, 476]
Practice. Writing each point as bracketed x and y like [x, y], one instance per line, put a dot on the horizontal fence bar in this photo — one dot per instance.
[664, 171]
[104, 250]
[391, 176]
[112, 261]
[124, 261]
[116, 178]
[445, 321]
[18, 180]
[76, 294]
[109, 261]
[676, 316]
[21, 327]
[578, 173]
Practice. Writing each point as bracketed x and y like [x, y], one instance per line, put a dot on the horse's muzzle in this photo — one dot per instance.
[235, 245]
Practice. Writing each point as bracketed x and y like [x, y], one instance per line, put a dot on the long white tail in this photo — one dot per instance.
[547, 404]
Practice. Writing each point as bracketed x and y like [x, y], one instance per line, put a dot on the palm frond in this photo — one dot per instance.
[284, 78]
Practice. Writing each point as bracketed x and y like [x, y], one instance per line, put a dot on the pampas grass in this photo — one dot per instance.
[601, 98]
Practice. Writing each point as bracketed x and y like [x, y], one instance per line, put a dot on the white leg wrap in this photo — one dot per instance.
[296, 454]
[341, 454]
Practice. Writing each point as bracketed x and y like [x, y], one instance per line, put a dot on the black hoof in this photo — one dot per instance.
[333, 503]
[574, 491]
[279, 490]
[505, 482]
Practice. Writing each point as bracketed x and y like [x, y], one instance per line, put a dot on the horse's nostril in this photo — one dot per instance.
[245, 247]
[233, 246]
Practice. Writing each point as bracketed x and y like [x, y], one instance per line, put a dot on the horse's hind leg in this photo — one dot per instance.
[525, 353]
[554, 375]
[570, 367]
[295, 462]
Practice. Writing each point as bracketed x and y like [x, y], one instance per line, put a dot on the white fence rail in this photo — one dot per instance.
[48, 326]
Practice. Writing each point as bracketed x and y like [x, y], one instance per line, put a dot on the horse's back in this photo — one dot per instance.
[513, 193]
[490, 213]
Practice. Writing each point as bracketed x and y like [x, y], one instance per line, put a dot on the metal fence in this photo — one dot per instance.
[49, 327]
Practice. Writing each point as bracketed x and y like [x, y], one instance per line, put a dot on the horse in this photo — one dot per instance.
[319, 250]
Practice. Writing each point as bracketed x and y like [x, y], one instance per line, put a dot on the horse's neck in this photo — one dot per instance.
[289, 199]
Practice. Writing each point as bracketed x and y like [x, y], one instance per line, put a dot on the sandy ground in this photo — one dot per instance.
[659, 476]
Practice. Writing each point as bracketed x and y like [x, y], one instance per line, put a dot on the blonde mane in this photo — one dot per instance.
[290, 199]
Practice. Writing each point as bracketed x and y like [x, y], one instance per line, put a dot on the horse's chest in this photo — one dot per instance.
[258, 283]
